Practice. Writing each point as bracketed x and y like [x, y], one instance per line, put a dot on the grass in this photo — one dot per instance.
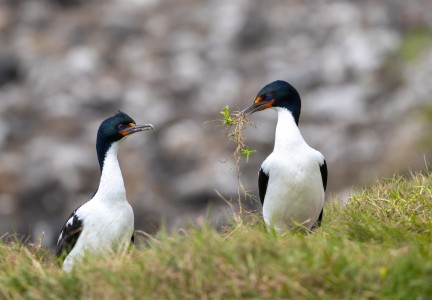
[378, 246]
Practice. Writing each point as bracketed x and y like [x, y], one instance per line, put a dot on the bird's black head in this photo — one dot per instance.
[279, 93]
[114, 129]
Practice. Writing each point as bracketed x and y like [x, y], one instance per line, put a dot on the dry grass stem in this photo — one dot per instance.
[236, 122]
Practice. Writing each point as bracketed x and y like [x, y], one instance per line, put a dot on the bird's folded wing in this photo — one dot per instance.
[323, 169]
[263, 179]
[69, 234]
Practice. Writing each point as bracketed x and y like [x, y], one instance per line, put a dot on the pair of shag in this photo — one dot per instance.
[292, 181]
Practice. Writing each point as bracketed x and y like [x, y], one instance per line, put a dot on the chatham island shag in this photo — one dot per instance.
[105, 223]
[292, 180]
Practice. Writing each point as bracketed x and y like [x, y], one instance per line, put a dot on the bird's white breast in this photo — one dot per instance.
[106, 228]
[295, 192]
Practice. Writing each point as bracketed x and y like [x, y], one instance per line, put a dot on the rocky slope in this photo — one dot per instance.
[364, 70]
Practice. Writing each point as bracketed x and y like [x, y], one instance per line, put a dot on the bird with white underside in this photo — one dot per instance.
[105, 223]
[292, 180]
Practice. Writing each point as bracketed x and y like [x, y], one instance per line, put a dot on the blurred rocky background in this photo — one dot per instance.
[363, 69]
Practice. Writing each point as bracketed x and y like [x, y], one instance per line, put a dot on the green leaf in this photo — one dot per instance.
[227, 116]
[247, 152]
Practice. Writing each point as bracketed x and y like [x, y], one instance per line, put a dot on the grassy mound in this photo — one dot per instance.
[378, 246]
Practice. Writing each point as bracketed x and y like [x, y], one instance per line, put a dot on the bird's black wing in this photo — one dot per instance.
[323, 169]
[69, 234]
[318, 222]
[263, 179]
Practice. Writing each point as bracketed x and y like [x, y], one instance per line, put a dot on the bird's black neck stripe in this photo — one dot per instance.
[102, 148]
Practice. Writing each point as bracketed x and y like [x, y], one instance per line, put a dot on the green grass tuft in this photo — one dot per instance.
[415, 43]
[378, 246]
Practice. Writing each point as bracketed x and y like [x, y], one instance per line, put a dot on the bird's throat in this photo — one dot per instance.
[287, 132]
[111, 186]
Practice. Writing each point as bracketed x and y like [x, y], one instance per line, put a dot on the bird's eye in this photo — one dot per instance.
[121, 126]
[267, 97]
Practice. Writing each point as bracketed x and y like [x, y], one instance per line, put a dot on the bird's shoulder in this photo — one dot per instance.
[318, 156]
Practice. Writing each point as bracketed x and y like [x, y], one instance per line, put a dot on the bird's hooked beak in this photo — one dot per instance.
[135, 128]
[259, 104]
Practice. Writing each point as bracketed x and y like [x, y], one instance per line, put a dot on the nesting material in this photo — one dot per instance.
[236, 122]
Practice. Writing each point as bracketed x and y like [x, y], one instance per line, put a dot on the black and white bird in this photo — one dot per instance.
[293, 178]
[106, 222]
